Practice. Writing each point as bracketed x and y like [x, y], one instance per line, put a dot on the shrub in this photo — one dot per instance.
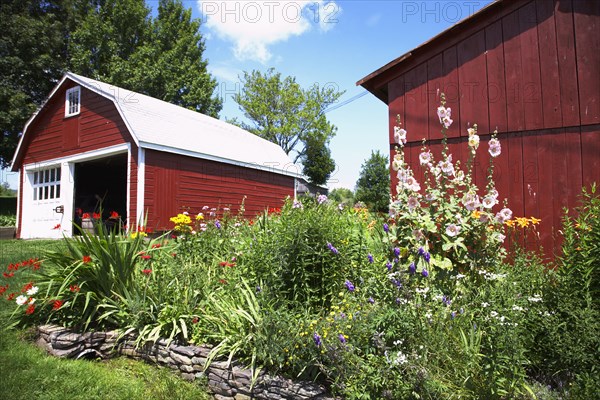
[570, 339]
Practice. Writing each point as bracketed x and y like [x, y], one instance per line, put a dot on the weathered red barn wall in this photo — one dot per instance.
[531, 70]
[51, 135]
[176, 183]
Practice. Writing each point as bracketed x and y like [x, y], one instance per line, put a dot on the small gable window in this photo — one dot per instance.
[72, 101]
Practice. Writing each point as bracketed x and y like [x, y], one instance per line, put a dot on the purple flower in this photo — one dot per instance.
[388, 265]
[342, 338]
[349, 285]
[317, 339]
[321, 199]
[370, 257]
[386, 228]
[412, 268]
[453, 314]
[421, 251]
[446, 300]
[427, 256]
[396, 252]
[371, 300]
[258, 289]
[333, 249]
[218, 224]
[425, 273]
[462, 310]
[398, 301]
[342, 315]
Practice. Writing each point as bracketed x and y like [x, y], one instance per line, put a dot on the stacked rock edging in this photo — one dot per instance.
[227, 382]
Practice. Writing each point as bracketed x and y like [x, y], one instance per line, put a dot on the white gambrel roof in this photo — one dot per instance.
[158, 125]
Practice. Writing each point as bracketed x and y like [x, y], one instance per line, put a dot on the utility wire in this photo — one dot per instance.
[343, 103]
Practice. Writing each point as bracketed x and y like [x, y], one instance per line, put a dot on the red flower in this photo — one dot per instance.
[3, 289]
[146, 271]
[87, 259]
[85, 216]
[57, 304]
[37, 266]
[26, 287]
[30, 309]
[195, 320]
[96, 216]
[223, 263]
[223, 281]
[11, 296]
[156, 246]
[114, 214]
[57, 226]
[74, 288]
[9, 275]
[12, 266]
[146, 257]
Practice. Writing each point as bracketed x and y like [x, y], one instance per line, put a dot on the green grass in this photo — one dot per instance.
[27, 372]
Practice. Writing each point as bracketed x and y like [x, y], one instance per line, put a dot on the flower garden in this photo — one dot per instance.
[434, 301]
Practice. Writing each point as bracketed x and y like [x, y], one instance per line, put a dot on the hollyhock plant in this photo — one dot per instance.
[457, 228]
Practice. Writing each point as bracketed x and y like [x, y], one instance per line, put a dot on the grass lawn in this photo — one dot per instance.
[28, 373]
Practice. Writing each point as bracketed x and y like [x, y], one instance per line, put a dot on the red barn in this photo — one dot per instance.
[531, 70]
[95, 145]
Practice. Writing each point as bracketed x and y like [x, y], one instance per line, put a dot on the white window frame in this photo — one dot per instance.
[73, 101]
[46, 183]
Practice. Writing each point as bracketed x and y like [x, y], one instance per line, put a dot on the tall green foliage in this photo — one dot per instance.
[32, 56]
[373, 185]
[281, 111]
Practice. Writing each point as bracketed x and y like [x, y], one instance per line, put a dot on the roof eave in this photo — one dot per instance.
[372, 81]
[204, 156]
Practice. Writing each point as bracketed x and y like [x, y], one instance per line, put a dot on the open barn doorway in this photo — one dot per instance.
[101, 191]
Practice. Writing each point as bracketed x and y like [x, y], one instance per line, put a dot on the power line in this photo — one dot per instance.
[343, 103]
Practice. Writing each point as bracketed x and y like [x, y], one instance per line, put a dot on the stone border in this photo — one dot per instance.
[227, 382]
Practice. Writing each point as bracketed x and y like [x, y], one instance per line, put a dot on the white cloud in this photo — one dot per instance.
[224, 73]
[253, 26]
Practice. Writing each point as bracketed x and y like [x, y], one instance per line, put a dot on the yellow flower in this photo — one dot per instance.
[523, 222]
[476, 214]
[510, 223]
[534, 220]
[199, 217]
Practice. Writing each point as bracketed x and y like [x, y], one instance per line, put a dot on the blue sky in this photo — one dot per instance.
[332, 43]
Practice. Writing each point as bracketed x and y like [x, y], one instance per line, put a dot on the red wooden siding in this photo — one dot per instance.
[52, 135]
[531, 69]
[176, 183]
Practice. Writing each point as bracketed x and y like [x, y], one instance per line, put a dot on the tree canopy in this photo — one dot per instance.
[280, 110]
[116, 41]
[373, 185]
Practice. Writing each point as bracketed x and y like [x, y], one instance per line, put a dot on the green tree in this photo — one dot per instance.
[32, 56]
[120, 43]
[281, 111]
[342, 195]
[373, 185]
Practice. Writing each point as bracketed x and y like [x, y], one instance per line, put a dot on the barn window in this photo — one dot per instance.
[46, 184]
[72, 101]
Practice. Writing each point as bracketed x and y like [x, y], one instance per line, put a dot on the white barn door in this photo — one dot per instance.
[43, 194]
